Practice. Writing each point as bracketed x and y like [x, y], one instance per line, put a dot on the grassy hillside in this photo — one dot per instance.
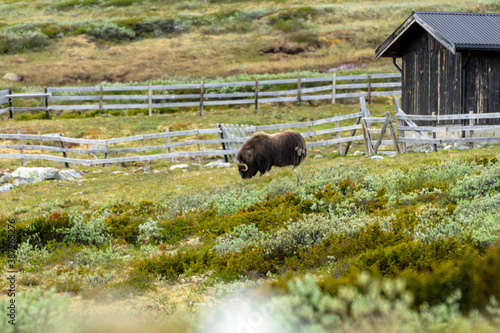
[66, 42]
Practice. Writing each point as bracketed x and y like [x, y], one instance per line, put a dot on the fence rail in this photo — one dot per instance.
[162, 96]
[428, 134]
[228, 136]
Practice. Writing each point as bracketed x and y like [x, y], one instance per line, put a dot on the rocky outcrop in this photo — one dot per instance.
[34, 175]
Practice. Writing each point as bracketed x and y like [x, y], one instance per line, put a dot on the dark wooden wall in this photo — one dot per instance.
[431, 77]
[482, 77]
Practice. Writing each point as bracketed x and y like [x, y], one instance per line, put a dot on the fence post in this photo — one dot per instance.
[150, 100]
[11, 113]
[199, 146]
[256, 94]
[46, 104]
[299, 84]
[401, 123]
[369, 89]
[393, 133]
[100, 101]
[471, 123]
[337, 125]
[169, 148]
[66, 164]
[221, 136]
[311, 137]
[334, 87]
[201, 99]
[21, 149]
[434, 145]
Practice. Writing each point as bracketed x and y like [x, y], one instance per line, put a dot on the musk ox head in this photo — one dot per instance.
[263, 151]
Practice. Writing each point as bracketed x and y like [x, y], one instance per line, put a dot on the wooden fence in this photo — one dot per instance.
[449, 134]
[151, 97]
[228, 137]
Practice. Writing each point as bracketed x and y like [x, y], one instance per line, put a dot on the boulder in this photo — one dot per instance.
[33, 175]
[6, 187]
[13, 77]
[68, 174]
[447, 147]
[318, 156]
[358, 153]
[5, 178]
[377, 158]
[218, 164]
[179, 166]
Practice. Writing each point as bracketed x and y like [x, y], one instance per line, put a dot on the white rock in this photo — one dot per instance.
[5, 178]
[33, 175]
[447, 147]
[117, 172]
[463, 148]
[156, 171]
[215, 164]
[68, 174]
[126, 174]
[6, 187]
[97, 171]
[377, 158]
[358, 153]
[179, 166]
[318, 156]
[224, 165]
[13, 77]
[146, 168]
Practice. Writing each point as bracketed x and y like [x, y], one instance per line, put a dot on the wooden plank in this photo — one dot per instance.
[46, 105]
[381, 134]
[221, 136]
[201, 99]
[169, 147]
[451, 140]
[331, 130]
[228, 95]
[471, 132]
[316, 97]
[450, 128]
[279, 99]
[150, 100]
[121, 159]
[299, 86]
[337, 127]
[334, 89]
[401, 123]
[316, 79]
[393, 133]
[316, 89]
[66, 164]
[183, 96]
[278, 93]
[73, 107]
[100, 100]
[73, 89]
[369, 89]
[434, 133]
[229, 84]
[173, 105]
[256, 94]
[28, 95]
[267, 82]
[21, 149]
[349, 139]
[231, 102]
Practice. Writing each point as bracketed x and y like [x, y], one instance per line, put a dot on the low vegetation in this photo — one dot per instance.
[334, 245]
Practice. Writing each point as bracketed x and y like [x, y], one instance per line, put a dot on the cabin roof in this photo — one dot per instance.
[455, 31]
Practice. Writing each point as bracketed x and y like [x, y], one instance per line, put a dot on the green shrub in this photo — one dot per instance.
[481, 184]
[15, 42]
[111, 32]
[39, 311]
[123, 227]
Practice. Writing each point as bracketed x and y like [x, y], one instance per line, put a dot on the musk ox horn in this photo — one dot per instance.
[244, 165]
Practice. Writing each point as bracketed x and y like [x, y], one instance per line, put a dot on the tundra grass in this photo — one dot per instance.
[86, 42]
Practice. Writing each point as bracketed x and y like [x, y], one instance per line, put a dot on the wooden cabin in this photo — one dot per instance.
[450, 62]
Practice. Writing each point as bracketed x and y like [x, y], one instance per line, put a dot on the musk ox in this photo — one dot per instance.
[263, 151]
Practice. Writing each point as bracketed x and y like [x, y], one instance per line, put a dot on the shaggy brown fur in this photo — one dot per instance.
[263, 151]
